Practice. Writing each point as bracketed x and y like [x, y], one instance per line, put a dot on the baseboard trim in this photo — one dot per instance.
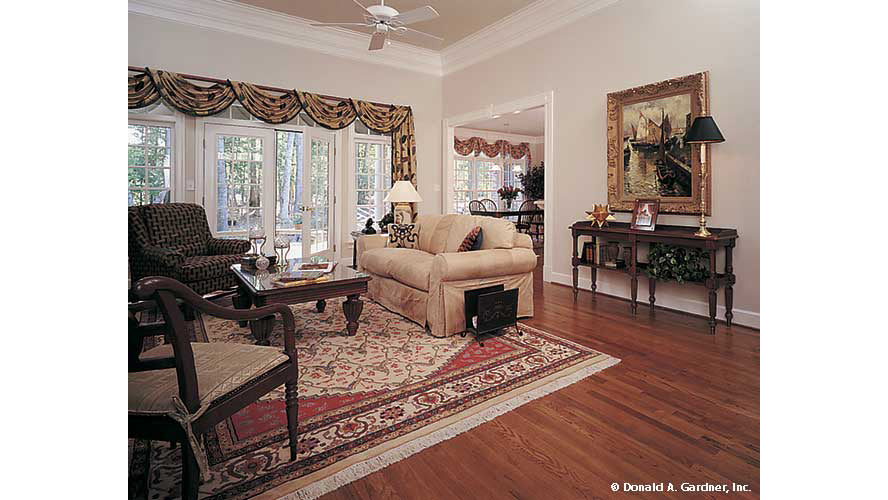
[691, 307]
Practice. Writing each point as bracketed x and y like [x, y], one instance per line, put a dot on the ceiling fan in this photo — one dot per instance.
[386, 20]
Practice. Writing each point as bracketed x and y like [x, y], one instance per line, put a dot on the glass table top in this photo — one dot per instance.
[265, 280]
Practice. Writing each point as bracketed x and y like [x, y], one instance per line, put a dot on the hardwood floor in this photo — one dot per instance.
[681, 407]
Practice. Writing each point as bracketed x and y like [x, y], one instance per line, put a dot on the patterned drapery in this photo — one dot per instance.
[146, 87]
[189, 98]
[477, 145]
[141, 91]
[265, 106]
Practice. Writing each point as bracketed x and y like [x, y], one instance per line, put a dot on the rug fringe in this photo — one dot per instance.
[367, 467]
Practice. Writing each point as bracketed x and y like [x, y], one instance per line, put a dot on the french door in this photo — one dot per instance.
[278, 180]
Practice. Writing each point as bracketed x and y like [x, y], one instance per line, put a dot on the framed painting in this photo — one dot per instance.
[647, 156]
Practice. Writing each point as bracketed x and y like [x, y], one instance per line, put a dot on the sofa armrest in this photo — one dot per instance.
[219, 246]
[481, 264]
[523, 241]
[164, 257]
[369, 242]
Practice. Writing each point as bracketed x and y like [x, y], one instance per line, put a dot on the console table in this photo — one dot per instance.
[673, 235]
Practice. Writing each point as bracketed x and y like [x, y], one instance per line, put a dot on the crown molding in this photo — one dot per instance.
[522, 26]
[255, 22]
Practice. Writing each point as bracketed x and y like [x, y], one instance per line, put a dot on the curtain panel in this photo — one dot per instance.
[147, 86]
[477, 145]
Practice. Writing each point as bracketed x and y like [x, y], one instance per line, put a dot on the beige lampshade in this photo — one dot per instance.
[402, 192]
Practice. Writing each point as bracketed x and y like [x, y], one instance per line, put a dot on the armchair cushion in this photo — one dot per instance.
[221, 368]
[203, 267]
[181, 226]
[164, 257]
[219, 246]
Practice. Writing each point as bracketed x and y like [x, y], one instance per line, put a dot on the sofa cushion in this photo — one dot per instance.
[406, 265]
[498, 233]
[428, 224]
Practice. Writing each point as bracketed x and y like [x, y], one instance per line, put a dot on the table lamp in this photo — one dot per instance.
[703, 131]
[402, 195]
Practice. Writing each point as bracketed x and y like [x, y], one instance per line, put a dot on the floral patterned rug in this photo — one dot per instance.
[364, 402]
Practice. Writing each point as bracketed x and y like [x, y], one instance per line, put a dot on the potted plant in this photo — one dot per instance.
[533, 183]
[675, 263]
[508, 194]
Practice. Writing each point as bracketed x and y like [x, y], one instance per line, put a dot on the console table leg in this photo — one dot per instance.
[352, 308]
[652, 288]
[713, 300]
[634, 294]
[634, 272]
[594, 280]
[576, 271]
[729, 288]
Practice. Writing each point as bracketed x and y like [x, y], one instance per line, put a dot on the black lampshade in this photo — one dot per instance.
[704, 129]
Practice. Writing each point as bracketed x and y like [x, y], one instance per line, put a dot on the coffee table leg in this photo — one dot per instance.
[261, 330]
[352, 308]
[321, 305]
[242, 301]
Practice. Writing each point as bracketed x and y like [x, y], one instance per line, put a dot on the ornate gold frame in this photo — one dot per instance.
[697, 85]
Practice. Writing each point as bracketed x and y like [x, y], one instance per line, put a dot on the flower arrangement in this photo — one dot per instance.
[508, 194]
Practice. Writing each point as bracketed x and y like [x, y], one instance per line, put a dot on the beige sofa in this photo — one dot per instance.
[426, 284]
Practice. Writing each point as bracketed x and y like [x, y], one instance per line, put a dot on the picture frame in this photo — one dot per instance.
[646, 153]
[644, 214]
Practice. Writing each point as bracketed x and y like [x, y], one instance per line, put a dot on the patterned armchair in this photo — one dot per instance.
[174, 240]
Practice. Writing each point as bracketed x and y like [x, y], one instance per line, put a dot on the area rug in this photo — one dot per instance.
[364, 402]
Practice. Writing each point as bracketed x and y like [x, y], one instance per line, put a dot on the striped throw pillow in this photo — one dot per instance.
[472, 240]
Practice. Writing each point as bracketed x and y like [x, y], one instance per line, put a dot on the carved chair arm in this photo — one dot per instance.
[147, 287]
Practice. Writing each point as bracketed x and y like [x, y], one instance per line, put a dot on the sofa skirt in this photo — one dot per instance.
[446, 311]
[398, 297]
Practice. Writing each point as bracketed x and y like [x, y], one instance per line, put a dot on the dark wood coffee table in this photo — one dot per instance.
[257, 289]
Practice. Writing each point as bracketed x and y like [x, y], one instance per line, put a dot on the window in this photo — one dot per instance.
[373, 178]
[476, 178]
[150, 163]
[239, 189]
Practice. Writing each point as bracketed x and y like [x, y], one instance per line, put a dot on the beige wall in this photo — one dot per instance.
[189, 49]
[630, 43]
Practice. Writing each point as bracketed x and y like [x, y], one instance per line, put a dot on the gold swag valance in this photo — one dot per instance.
[476, 145]
[146, 86]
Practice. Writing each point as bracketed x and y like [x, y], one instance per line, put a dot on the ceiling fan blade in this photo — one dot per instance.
[344, 25]
[416, 15]
[364, 8]
[411, 31]
[377, 41]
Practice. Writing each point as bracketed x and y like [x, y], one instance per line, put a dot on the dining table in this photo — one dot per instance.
[499, 214]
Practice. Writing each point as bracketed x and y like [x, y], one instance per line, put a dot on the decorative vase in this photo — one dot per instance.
[508, 204]
[262, 263]
[282, 248]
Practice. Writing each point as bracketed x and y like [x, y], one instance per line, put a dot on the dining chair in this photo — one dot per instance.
[477, 208]
[180, 390]
[489, 205]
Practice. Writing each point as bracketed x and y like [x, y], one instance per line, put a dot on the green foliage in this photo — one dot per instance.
[681, 264]
[533, 182]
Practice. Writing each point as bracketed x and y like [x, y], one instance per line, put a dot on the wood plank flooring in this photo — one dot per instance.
[681, 407]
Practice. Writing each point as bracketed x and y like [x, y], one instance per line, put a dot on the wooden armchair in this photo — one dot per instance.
[180, 390]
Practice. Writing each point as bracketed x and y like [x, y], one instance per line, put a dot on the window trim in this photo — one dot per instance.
[177, 162]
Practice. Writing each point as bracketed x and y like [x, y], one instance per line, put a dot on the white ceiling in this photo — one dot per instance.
[528, 122]
[458, 18]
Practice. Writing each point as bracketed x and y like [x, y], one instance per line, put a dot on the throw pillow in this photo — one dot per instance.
[472, 241]
[402, 236]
